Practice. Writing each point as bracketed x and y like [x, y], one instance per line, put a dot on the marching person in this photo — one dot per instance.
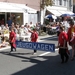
[12, 39]
[71, 30]
[34, 37]
[62, 44]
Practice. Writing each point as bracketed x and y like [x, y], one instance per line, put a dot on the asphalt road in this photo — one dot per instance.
[22, 62]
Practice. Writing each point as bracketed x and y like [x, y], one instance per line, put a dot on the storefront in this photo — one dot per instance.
[19, 13]
[15, 17]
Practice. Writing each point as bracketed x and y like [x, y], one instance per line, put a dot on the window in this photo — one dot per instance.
[69, 2]
[57, 2]
[60, 2]
[53, 2]
[64, 2]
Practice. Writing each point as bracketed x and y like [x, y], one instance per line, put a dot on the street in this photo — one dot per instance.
[22, 62]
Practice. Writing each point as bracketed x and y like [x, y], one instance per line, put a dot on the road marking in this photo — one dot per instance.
[46, 53]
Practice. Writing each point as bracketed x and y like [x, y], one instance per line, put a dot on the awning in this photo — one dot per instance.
[24, 8]
[69, 12]
[13, 7]
[62, 12]
[65, 12]
[6, 7]
[54, 12]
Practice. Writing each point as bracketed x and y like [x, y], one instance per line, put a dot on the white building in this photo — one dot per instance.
[19, 13]
[64, 3]
[59, 7]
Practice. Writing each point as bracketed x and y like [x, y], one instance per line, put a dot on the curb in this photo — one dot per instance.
[8, 47]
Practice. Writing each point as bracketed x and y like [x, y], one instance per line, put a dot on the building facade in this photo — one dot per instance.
[64, 3]
[74, 6]
[19, 13]
[59, 7]
[36, 3]
[31, 3]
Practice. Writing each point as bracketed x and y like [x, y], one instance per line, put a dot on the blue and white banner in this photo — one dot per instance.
[36, 46]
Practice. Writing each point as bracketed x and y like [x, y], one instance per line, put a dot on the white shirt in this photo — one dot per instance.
[66, 24]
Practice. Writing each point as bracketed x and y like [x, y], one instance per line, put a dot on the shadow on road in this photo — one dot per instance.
[51, 66]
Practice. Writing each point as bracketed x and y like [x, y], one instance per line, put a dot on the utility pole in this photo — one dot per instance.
[71, 5]
[40, 10]
[40, 18]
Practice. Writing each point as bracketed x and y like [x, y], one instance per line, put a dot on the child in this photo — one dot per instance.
[34, 37]
[3, 43]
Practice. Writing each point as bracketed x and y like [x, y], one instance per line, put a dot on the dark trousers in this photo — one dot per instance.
[63, 54]
[12, 47]
[35, 50]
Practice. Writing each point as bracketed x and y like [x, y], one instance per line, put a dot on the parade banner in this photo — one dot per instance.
[36, 46]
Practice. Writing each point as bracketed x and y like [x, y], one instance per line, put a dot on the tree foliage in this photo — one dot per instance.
[44, 3]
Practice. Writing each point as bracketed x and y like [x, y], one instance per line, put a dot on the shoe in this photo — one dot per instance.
[15, 50]
[66, 60]
[33, 53]
[11, 51]
[62, 62]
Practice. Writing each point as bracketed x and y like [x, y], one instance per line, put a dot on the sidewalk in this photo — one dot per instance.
[4, 48]
[45, 36]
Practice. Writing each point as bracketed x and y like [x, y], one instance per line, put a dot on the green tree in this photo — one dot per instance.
[44, 3]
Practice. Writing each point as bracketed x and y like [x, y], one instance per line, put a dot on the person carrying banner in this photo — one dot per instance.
[62, 44]
[34, 37]
[12, 39]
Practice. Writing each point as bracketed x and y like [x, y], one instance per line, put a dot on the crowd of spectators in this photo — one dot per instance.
[23, 32]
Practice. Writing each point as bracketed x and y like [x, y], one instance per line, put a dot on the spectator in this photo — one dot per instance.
[2, 21]
[22, 30]
[31, 25]
[3, 42]
[9, 22]
[6, 26]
